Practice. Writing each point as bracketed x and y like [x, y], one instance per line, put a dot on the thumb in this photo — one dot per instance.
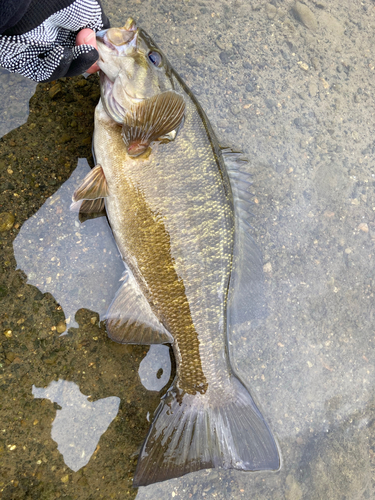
[86, 37]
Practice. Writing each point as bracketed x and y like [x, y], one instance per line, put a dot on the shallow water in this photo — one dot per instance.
[299, 101]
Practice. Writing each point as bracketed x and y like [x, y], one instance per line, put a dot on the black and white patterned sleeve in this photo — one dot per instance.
[48, 51]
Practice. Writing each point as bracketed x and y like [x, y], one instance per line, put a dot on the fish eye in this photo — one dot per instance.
[155, 58]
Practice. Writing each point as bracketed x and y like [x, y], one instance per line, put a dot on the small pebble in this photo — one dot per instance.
[267, 268]
[235, 109]
[313, 89]
[6, 221]
[8, 334]
[363, 227]
[315, 63]
[65, 138]
[271, 11]
[65, 479]
[303, 66]
[305, 16]
[55, 90]
[224, 57]
[61, 327]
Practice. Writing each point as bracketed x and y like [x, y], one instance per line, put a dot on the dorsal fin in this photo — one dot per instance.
[246, 300]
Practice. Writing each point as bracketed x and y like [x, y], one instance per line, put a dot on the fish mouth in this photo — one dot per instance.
[120, 40]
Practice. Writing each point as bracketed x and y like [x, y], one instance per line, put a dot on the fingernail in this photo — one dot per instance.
[89, 39]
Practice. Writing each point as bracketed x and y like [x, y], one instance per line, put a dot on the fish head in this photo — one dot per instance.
[129, 61]
[137, 87]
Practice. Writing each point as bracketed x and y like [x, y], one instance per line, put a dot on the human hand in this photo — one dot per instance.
[88, 37]
[46, 43]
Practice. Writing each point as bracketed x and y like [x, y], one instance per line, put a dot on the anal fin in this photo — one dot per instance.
[130, 319]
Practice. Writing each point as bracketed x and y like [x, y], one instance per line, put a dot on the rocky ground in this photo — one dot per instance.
[292, 85]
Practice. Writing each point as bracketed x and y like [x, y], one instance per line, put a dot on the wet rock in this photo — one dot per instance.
[61, 327]
[222, 123]
[86, 141]
[305, 16]
[10, 356]
[320, 4]
[65, 138]
[313, 89]
[267, 268]
[235, 109]
[224, 57]
[315, 63]
[285, 55]
[329, 179]
[192, 61]
[270, 103]
[271, 11]
[6, 221]
[51, 359]
[222, 44]
[55, 90]
[363, 227]
[331, 24]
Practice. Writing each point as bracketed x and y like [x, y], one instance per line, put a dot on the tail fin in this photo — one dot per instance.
[193, 432]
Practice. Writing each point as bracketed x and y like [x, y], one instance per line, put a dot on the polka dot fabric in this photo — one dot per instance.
[48, 51]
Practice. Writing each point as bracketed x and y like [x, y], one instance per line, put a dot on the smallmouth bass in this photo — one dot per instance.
[178, 214]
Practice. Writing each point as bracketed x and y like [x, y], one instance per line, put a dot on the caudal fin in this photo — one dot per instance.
[203, 431]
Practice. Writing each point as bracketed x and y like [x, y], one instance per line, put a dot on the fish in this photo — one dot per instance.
[178, 206]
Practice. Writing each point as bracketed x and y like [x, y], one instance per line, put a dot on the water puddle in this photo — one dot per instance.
[79, 423]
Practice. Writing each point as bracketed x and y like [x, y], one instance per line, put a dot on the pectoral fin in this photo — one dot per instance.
[130, 319]
[93, 186]
[155, 118]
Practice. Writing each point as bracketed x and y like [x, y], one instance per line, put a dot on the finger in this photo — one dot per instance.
[84, 57]
[94, 68]
[88, 37]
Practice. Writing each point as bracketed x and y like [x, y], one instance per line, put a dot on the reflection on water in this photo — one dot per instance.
[15, 93]
[78, 264]
[300, 103]
[79, 423]
[155, 369]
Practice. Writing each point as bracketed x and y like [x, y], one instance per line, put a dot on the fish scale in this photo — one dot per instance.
[205, 238]
[192, 269]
